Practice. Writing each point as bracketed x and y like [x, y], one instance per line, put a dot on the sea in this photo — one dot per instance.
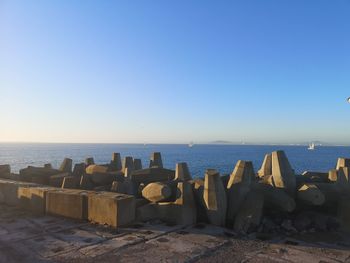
[199, 157]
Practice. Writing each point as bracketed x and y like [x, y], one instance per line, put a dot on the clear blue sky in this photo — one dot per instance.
[275, 71]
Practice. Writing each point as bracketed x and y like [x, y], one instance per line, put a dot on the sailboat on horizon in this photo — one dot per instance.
[311, 146]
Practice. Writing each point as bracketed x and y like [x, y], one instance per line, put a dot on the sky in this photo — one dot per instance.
[272, 71]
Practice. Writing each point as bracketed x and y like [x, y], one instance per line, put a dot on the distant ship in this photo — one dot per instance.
[190, 144]
[311, 146]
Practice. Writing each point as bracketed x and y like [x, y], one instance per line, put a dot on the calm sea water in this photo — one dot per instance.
[199, 157]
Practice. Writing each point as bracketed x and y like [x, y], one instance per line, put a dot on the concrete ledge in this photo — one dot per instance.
[33, 198]
[68, 203]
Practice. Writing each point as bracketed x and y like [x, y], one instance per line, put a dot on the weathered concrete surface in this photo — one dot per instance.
[66, 165]
[5, 169]
[33, 198]
[156, 192]
[214, 196]
[28, 238]
[311, 195]
[57, 180]
[343, 162]
[116, 162]
[137, 164]
[93, 168]
[282, 172]
[154, 174]
[128, 163]
[182, 172]
[156, 160]
[266, 167]
[67, 203]
[70, 182]
[111, 208]
[79, 169]
[89, 161]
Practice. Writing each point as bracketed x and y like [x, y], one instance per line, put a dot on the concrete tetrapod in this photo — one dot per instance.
[137, 164]
[343, 162]
[266, 167]
[156, 192]
[154, 174]
[128, 162]
[311, 195]
[66, 165]
[89, 161]
[79, 169]
[94, 168]
[183, 210]
[116, 162]
[238, 187]
[214, 196]
[156, 160]
[282, 172]
[274, 197]
[249, 215]
[182, 172]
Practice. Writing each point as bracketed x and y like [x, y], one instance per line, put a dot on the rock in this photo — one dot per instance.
[150, 175]
[238, 187]
[275, 198]
[79, 169]
[214, 196]
[250, 213]
[156, 160]
[86, 182]
[137, 164]
[89, 161]
[182, 172]
[343, 162]
[156, 192]
[70, 182]
[266, 167]
[93, 168]
[282, 172]
[66, 165]
[128, 162]
[116, 162]
[112, 209]
[311, 195]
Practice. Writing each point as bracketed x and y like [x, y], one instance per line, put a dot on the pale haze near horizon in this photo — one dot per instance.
[175, 71]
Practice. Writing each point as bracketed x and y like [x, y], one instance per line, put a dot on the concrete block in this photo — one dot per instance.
[33, 198]
[26, 174]
[156, 160]
[68, 203]
[93, 168]
[150, 175]
[66, 165]
[343, 162]
[137, 164]
[282, 172]
[147, 212]
[112, 209]
[330, 191]
[266, 167]
[106, 178]
[116, 162]
[156, 192]
[333, 175]
[48, 165]
[44, 180]
[5, 169]
[242, 174]
[310, 176]
[344, 212]
[8, 191]
[214, 196]
[311, 195]
[182, 173]
[250, 213]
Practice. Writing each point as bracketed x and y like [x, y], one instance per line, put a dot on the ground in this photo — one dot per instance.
[28, 238]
